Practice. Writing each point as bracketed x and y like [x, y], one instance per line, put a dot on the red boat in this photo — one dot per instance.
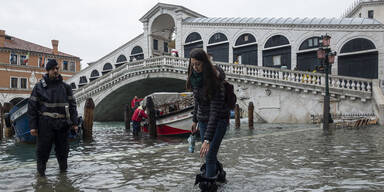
[174, 112]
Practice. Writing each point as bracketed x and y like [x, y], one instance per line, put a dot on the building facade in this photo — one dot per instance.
[372, 9]
[271, 42]
[22, 66]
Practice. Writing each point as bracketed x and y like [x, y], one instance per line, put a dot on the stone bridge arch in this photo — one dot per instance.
[111, 96]
[114, 90]
[110, 107]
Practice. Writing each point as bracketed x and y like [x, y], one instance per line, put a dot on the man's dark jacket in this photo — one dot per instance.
[51, 96]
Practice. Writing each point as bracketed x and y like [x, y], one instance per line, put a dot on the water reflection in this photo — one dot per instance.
[272, 157]
[60, 183]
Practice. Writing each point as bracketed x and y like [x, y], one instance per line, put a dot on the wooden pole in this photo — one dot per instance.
[8, 131]
[88, 119]
[250, 115]
[1, 121]
[237, 116]
[127, 116]
[151, 117]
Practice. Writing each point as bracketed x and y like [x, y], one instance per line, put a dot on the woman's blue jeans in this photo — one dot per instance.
[214, 145]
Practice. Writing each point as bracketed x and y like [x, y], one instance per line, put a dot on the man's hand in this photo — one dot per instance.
[193, 128]
[75, 127]
[34, 132]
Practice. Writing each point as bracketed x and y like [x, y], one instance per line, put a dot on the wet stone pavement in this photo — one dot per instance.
[272, 157]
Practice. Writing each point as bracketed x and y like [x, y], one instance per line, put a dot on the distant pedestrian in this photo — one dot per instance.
[210, 112]
[236, 60]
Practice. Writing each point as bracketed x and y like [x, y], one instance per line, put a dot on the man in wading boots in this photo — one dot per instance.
[52, 111]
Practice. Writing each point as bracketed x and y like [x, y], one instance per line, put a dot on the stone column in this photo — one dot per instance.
[146, 44]
[179, 34]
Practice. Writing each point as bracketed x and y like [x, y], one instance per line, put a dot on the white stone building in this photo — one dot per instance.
[372, 9]
[272, 42]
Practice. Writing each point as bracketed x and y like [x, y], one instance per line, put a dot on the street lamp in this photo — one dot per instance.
[326, 57]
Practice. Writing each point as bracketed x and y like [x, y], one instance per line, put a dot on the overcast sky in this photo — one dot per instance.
[90, 29]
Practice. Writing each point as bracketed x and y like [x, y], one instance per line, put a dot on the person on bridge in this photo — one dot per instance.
[210, 114]
[137, 117]
[49, 106]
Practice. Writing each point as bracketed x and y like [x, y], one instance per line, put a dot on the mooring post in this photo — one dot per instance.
[127, 116]
[151, 117]
[250, 115]
[8, 131]
[237, 116]
[1, 121]
[88, 119]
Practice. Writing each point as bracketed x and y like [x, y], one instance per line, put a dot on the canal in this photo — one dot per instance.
[272, 157]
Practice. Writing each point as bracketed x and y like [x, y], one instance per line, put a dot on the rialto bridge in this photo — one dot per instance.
[279, 95]
[274, 55]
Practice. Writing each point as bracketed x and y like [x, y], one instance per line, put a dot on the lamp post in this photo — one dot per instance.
[327, 57]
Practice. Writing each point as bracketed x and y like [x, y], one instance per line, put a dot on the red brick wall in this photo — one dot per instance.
[4, 57]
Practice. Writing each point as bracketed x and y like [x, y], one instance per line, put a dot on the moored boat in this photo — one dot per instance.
[19, 121]
[174, 112]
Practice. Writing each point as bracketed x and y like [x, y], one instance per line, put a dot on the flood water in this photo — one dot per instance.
[272, 157]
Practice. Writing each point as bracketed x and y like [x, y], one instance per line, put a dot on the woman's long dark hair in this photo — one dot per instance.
[210, 79]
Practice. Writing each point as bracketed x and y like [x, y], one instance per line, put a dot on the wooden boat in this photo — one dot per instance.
[174, 112]
[18, 119]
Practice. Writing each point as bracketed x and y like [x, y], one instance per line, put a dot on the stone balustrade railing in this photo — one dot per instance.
[339, 85]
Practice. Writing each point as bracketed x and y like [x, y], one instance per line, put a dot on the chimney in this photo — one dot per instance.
[2, 38]
[55, 45]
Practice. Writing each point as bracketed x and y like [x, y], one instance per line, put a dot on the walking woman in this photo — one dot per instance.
[210, 113]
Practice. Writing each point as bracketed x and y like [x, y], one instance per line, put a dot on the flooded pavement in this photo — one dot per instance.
[272, 157]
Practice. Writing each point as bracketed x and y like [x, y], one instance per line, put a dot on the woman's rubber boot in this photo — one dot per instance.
[206, 184]
[221, 173]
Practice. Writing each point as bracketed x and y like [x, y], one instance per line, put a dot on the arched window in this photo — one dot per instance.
[217, 37]
[358, 58]
[310, 43]
[217, 50]
[120, 59]
[358, 44]
[73, 85]
[136, 54]
[276, 54]
[193, 41]
[276, 40]
[106, 68]
[83, 81]
[94, 75]
[245, 39]
[245, 50]
[307, 60]
[194, 36]
[136, 50]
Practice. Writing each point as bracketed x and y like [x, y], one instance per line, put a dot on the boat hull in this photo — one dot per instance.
[20, 123]
[174, 125]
